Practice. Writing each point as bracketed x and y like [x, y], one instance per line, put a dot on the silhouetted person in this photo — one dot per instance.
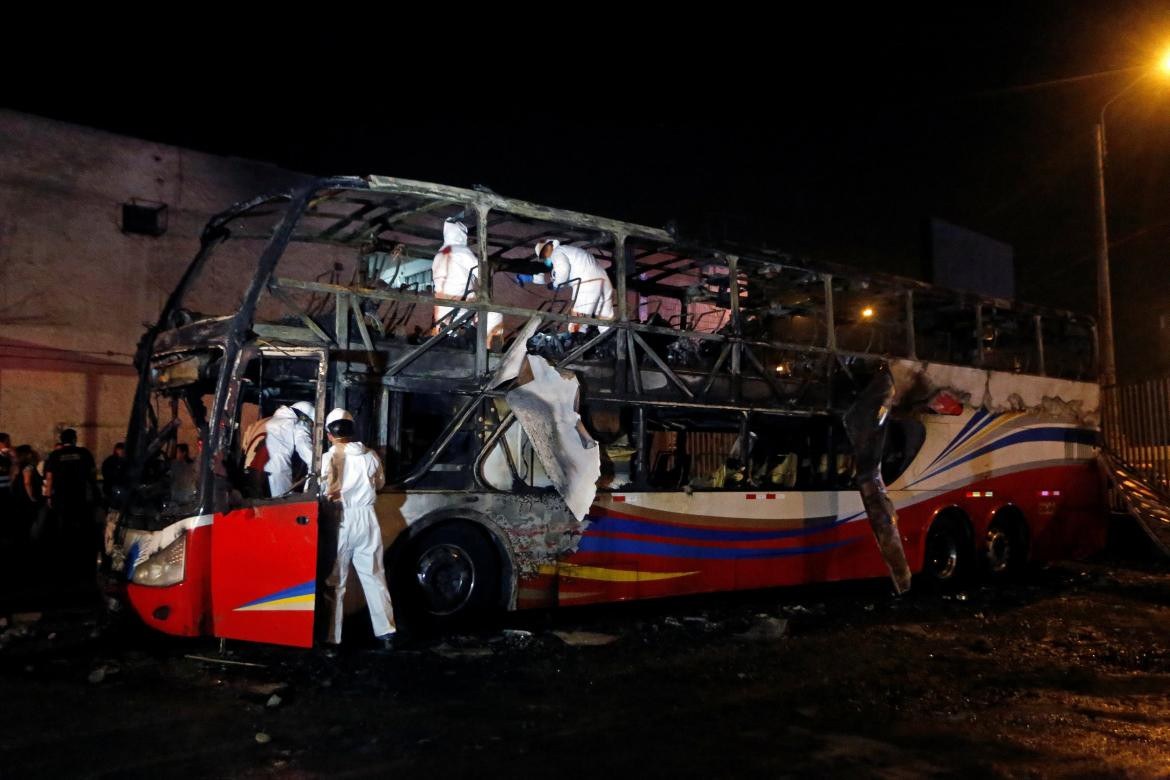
[70, 487]
[28, 496]
[114, 471]
[7, 470]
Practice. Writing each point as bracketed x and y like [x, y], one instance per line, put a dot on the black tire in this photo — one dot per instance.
[1005, 549]
[448, 577]
[946, 563]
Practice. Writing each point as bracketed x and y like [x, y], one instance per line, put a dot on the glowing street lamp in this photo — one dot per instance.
[1104, 295]
[867, 313]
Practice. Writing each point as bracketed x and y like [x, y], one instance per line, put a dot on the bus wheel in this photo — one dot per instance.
[947, 554]
[1004, 548]
[448, 577]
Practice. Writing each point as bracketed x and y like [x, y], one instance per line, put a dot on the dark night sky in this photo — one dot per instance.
[830, 140]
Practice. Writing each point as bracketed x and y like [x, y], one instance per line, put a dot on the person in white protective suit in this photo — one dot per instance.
[455, 271]
[592, 290]
[351, 474]
[269, 445]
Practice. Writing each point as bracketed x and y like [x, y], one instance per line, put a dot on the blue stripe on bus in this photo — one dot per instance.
[621, 525]
[967, 431]
[1071, 435]
[609, 544]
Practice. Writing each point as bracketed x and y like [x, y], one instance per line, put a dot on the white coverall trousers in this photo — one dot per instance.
[279, 483]
[594, 299]
[359, 539]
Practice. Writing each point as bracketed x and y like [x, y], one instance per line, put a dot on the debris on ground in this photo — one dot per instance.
[273, 701]
[765, 629]
[699, 623]
[262, 738]
[584, 638]
[97, 675]
[266, 689]
[447, 651]
[223, 661]
[13, 633]
[800, 609]
[514, 638]
[516, 633]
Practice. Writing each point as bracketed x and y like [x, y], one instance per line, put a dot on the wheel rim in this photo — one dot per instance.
[446, 576]
[999, 550]
[942, 556]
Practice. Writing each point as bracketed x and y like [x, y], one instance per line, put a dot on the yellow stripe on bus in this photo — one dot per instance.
[611, 575]
[975, 441]
[291, 604]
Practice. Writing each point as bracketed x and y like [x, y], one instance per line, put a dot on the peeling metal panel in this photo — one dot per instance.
[546, 408]
[865, 423]
[996, 391]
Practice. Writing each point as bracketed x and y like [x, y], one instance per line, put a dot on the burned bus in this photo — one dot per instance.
[742, 420]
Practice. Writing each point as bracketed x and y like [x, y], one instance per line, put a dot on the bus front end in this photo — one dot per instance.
[162, 545]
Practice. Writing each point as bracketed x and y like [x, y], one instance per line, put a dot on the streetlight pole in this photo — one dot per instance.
[1108, 368]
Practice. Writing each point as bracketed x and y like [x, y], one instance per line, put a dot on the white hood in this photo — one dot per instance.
[454, 233]
[540, 246]
[284, 413]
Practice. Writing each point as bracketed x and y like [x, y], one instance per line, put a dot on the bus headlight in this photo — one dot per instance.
[165, 567]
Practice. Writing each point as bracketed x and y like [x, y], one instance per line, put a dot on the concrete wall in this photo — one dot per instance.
[75, 291]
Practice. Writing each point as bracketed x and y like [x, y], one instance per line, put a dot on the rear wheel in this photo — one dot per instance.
[446, 578]
[947, 558]
[1005, 548]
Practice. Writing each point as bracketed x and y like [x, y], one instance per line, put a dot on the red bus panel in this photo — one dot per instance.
[263, 573]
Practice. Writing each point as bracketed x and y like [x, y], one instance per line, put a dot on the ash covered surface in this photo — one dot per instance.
[1064, 674]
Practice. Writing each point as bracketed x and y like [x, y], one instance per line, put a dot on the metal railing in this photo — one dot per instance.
[1135, 426]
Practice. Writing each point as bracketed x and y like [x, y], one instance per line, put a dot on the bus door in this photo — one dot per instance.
[264, 553]
[264, 571]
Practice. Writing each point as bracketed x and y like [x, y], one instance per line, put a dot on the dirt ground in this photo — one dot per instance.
[1063, 674]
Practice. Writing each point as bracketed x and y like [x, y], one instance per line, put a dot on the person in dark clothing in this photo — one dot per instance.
[7, 470]
[28, 498]
[70, 488]
[114, 471]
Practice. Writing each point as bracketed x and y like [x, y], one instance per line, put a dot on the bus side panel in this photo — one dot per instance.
[642, 547]
[183, 609]
[1071, 524]
[635, 548]
[1062, 507]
